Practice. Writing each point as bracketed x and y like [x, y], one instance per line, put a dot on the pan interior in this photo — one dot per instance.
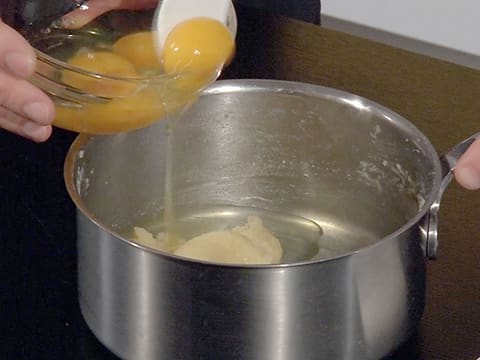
[356, 170]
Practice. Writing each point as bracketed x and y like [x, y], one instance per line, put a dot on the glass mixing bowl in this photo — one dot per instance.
[103, 102]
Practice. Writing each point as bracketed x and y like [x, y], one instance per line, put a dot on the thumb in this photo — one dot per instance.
[467, 171]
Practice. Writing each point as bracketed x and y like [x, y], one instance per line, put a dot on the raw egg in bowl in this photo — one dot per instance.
[109, 76]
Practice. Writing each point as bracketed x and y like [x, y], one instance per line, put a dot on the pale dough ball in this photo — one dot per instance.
[262, 239]
[222, 247]
[251, 243]
[160, 242]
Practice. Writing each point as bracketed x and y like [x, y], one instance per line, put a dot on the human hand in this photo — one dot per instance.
[467, 171]
[24, 109]
[94, 8]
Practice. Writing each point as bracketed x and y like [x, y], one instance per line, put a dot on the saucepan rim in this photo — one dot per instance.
[289, 88]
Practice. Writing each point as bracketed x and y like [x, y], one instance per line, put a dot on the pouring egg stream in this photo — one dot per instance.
[192, 56]
[138, 84]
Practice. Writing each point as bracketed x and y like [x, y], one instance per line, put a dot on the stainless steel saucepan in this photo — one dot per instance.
[298, 154]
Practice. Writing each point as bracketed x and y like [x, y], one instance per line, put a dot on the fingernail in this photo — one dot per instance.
[37, 112]
[468, 178]
[68, 22]
[20, 64]
[74, 20]
[35, 131]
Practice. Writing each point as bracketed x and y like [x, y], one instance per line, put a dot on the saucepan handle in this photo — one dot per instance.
[448, 162]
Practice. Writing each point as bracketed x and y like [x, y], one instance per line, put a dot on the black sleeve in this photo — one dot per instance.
[306, 10]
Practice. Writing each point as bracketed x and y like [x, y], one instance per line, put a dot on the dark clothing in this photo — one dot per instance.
[21, 13]
[306, 10]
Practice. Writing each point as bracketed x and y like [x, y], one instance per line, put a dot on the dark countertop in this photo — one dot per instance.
[39, 310]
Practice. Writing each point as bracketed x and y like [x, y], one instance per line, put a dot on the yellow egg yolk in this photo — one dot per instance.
[101, 63]
[201, 46]
[196, 50]
[139, 49]
[117, 115]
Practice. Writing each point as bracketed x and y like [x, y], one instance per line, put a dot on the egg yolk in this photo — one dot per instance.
[102, 63]
[201, 46]
[139, 49]
[195, 50]
[117, 115]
